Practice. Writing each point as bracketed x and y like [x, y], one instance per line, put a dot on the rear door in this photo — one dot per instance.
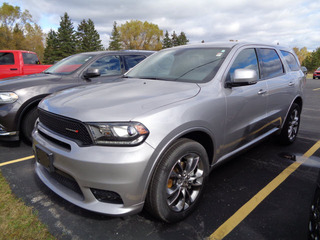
[246, 105]
[280, 86]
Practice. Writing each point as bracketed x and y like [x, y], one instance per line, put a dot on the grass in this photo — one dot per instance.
[17, 221]
[309, 75]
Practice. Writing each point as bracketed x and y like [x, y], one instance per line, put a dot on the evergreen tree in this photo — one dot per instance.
[312, 61]
[166, 43]
[50, 55]
[174, 39]
[182, 39]
[115, 43]
[66, 38]
[88, 38]
[18, 38]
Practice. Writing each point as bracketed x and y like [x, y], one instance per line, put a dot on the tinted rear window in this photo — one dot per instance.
[271, 65]
[6, 58]
[30, 58]
[291, 61]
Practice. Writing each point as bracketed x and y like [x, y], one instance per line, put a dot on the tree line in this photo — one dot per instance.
[19, 31]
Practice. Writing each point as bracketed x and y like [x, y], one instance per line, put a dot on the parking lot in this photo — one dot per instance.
[265, 193]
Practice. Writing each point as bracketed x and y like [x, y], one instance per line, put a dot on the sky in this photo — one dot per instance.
[292, 23]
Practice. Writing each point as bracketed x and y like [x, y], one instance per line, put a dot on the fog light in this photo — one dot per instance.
[106, 196]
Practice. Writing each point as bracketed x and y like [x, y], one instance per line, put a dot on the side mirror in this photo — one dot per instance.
[243, 77]
[91, 73]
[304, 70]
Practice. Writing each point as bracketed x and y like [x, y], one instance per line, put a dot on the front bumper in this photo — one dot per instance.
[122, 170]
[316, 75]
[8, 127]
[8, 136]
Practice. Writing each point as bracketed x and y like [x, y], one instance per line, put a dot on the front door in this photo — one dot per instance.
[246, 105]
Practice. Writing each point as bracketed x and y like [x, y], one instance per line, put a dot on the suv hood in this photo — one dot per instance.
[118, 101]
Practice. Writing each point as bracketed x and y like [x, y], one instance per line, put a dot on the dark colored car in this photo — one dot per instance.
[20, 96]
[316, 73]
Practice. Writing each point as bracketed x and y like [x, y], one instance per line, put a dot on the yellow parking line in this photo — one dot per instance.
[316, 89]
[17, 160]
[247, 208]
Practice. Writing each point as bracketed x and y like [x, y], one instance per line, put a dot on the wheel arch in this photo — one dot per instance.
[26, 107]
[298, 100]
[200, 135]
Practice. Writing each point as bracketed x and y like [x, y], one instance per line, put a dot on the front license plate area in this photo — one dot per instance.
[45, 158]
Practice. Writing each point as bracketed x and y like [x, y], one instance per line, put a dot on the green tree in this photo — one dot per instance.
[88, 39]
[140, 35]
[18, 38]
[50, 56]
[166, 42]
[19, 31]
[182, 39]
[34, 39]
[115, 39]
[66, 38]
[312, 61]
[301, 53]
[174, 39]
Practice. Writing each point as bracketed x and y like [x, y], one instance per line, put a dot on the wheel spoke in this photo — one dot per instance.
[188, 199]
[173, 194]
[192, 163]
[179, 167]
[184, 182]
[181, 202]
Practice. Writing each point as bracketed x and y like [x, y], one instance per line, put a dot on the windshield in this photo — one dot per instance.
[69, 65]
[181, 64]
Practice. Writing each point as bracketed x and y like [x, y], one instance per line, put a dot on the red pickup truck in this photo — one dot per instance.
[18, 62]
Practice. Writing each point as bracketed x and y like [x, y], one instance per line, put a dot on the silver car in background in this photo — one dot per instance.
[151, 138]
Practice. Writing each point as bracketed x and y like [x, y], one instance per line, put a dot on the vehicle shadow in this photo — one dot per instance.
[13, 144]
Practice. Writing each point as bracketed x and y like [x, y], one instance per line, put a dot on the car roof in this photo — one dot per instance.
[147, 52]
[23, 51]
[232, 44]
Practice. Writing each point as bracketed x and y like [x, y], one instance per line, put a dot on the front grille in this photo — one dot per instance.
[67, 181]
[67, 127]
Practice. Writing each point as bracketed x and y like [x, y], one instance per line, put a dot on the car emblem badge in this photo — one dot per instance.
[72, 130]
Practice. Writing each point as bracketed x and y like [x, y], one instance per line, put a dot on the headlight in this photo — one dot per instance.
[8, 97]
[130, 133]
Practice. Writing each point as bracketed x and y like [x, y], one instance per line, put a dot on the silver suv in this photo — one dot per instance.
[151, 138]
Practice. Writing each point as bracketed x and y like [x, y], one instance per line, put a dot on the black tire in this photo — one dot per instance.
[314, 77]
[290, 129]
[28, 122]
[176, 186]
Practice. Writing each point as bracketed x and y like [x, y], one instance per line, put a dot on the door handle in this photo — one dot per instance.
[261, 91]
[291, 84]
[13, 69]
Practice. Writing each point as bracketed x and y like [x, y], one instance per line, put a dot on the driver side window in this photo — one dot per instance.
[246, 59]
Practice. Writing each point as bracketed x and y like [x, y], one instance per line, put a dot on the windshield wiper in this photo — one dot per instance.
[196, 68]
